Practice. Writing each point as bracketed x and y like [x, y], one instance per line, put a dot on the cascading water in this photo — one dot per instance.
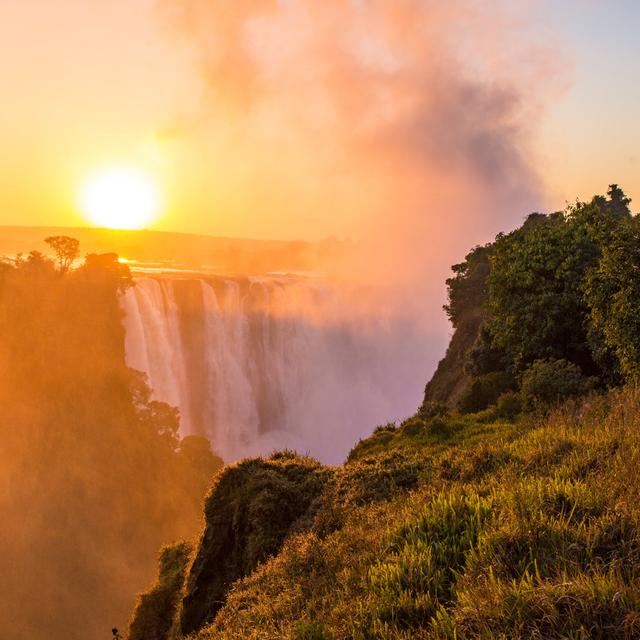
[257, 364]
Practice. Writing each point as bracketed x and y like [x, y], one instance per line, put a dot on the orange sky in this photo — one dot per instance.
[256, 123]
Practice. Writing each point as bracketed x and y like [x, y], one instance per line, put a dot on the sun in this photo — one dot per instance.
[120, 198]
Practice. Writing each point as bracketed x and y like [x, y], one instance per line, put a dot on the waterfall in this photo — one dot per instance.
[257, 364]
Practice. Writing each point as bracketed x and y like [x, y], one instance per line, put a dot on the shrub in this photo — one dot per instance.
[431, 409]
[156, 610]
[413, 427]
[383, 428]
[439, 428]
[484, 391]
[509, 406]
[548, 382]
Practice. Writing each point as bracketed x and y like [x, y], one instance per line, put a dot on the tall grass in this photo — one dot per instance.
[483, 530]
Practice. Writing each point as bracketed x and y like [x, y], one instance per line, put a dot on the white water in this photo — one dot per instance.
[258, 364]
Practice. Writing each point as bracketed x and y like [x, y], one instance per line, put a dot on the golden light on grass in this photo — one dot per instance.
[121, 198]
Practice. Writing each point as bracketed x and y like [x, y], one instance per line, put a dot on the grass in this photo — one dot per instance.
[462, 529]
[438, 434]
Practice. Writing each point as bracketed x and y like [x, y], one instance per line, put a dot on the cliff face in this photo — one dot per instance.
[156, 612]
[449, 380]
[249, 511]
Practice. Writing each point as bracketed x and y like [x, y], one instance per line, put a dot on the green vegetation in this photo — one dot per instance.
[534, 306]
[156, 611]
[248, 513]
[467, 293]
[560, 287]
[507, 507]
[498, 530]
[613, 292]
[548, 382]
[483, 391]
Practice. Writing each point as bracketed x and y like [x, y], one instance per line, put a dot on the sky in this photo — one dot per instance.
[294, 138]
[591, 134]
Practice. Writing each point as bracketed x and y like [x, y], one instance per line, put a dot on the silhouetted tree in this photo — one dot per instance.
[467, 289]
[66, 249]
[35, 262]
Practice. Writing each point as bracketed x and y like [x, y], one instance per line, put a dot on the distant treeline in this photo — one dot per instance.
[549, 310]
[93, 475]
[228, 255]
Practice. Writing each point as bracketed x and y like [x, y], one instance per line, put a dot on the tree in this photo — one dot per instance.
[35, 262]
[547, 382]
[467, 289]
[484, 391]
[86, 448]
[106, 268]
[484, 357]
[535, 301]
[616, 204]
[198, 457]
[613, 293]
[66, 249]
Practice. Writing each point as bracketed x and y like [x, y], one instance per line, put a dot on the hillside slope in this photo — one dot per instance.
[507, 507]
[458, 529]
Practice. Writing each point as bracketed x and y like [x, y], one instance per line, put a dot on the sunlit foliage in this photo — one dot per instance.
[562, 286]
[510, 513]
[490, 530]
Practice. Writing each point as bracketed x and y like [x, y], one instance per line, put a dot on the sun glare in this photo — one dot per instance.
[120, 198]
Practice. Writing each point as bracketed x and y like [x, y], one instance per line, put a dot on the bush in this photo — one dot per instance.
[432, 409]
[548, 382]
[384, 428]
[484, 391]
[413, 427]
[509, 406]
[440, 429]
[156, 610]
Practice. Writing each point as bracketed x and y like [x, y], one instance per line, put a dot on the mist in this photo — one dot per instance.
[403, 126]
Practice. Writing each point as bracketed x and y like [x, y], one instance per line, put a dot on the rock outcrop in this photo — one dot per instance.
[248, 513]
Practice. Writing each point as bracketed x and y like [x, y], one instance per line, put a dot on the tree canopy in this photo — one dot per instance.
[563, 287]
[535, 306]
